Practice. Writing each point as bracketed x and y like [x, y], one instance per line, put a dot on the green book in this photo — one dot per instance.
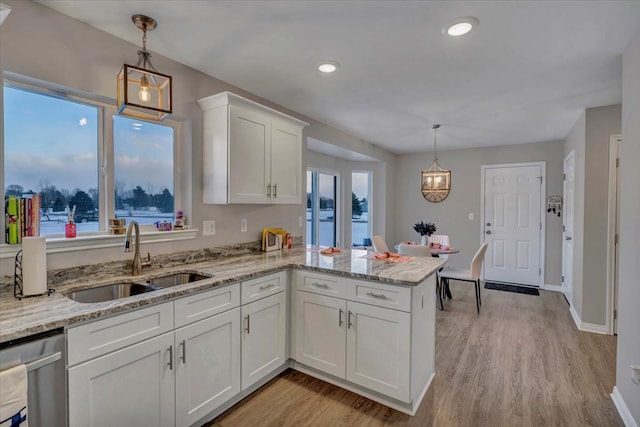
[11, 220]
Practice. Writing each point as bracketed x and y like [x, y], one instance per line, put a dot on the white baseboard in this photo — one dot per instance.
[587, 327]
[622, 408]
[553, 288]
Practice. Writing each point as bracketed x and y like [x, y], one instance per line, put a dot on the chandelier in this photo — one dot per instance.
[143, 92]
[435, 182]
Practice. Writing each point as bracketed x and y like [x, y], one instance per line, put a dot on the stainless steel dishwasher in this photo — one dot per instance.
[44, 356]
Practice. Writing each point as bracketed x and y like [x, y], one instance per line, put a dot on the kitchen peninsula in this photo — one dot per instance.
[362, 324]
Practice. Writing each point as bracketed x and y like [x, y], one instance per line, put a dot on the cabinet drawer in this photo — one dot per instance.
[381, 295]
[197, 307]
[104, 336]
[323, 284]
[261, 287]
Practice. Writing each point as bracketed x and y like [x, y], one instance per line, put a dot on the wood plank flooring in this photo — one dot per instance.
[521, 362]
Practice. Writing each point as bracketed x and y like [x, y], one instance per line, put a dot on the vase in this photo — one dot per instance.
[425, 240]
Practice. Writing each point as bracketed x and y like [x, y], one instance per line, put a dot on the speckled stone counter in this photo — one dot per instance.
[21, 318]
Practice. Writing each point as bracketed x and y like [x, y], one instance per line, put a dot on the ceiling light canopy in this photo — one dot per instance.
[461, 26]
[328, 66]
[143, 92]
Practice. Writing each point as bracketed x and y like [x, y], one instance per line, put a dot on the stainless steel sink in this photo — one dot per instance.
[175, 279]
[108, 292]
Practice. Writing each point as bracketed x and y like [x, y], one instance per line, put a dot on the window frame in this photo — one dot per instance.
[369, 173]
[337, 227]
[105, 169]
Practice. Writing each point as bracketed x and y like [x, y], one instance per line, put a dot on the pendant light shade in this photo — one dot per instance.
[435, 182]
[143, 92]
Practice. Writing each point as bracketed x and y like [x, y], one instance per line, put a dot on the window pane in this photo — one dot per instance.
[143, 166]
[360, 219]
[327, 217]
[310, 210]
[51, 147]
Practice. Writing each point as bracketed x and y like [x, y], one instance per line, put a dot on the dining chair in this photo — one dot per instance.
[443, 239]
[470, 275]
[413, 250]
[379, 244]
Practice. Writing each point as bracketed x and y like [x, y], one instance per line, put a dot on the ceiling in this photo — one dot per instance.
[523, 75]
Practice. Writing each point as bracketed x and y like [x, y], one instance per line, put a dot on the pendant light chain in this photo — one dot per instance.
[435, 147]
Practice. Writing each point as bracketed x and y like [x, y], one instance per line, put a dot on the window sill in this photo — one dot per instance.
[100, 241]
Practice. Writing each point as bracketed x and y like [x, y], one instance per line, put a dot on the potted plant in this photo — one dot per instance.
[425, 229]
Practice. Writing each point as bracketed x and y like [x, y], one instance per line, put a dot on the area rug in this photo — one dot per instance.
[511, 288]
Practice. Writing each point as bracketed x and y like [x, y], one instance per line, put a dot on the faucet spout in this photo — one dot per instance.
[137, 265]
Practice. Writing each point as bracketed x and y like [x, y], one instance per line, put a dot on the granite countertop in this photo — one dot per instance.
[21, 318]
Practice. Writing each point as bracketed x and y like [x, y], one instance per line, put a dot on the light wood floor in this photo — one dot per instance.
[521, 362]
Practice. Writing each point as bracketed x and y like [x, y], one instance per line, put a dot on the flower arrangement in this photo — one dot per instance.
[425, 228]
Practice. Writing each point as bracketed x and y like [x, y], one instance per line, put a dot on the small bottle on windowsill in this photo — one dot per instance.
[179, 222]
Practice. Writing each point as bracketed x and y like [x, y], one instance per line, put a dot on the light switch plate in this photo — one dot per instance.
[243, 225]
[470, 216]
[208, 228]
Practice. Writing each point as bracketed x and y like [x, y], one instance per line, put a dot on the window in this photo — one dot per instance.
[322, 189]
[51, 147]
[143, 166]
[361, 208]
[59, 146]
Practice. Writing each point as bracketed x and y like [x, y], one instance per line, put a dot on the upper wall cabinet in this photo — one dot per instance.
[251, 153]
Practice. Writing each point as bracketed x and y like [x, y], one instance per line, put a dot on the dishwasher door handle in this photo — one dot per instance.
[47, 360]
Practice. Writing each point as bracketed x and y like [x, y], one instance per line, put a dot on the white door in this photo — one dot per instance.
[568, 188]
[207, 364]
[129, 387]
[249, 153]
[263, 337]
[286, 166]
[379, 349]
[513, 223]
[321, 332]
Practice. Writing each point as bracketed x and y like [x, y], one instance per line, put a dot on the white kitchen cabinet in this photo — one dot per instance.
[207, 365]
[320, 332]
[263, 337]
[133, 386]
[251, 153]
[379, 349]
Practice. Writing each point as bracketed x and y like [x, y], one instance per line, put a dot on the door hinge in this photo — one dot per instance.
[540, 226]
[563, 228]
[615, 239]
[562, 279]
[539, 272]
[564, 176]
[618, 162]
[540, 178]
[615, 314]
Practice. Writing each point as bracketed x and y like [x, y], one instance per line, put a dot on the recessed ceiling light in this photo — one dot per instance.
[328, 66]
[460, 26]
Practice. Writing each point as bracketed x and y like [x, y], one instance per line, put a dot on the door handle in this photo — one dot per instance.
[37, 364]
[268, 190]
[488, 231]
[275, 190]
[380, 296]
[320, 285]
[184, 352]
[349, 324]
[568, 238]
[340, 322]
[248, 328]
[170, 358]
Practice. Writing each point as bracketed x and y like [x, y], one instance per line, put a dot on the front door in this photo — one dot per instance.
[512, 223]
[568, 187]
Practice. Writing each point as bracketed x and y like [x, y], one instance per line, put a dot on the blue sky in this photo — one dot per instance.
[53, 140]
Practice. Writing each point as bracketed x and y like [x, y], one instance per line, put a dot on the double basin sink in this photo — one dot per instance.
[122, 290]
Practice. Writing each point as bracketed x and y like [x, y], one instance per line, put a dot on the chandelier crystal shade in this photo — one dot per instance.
[435, 181]
[143, 92]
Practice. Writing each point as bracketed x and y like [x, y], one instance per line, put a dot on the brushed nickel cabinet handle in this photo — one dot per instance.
[349, 324]
[380, 296]
[340, 322]
[184, 351]
[170, 358]
[275, 190]
[248, 328]
[320, 285]
[268, 190]
[265, 287]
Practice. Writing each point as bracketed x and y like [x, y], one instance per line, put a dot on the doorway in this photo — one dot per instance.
[613, 214]
[568, 188]
[512, 222]
[322, 209]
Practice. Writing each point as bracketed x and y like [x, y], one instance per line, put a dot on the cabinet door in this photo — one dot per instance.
[378, 349]
[129, 387]
[263, 337]
[320, 332]
[286, 162]
[207, 365]
[249, 155]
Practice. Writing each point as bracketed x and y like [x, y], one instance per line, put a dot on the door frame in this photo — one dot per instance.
[338, 205]
[543, 219]
[612, 227]
[571, 154]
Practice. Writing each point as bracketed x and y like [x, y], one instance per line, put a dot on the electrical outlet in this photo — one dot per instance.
[208, 228]
[243, 225]
[300, 223]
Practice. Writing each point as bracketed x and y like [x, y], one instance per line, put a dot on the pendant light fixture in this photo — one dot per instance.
[435, 181]
[143, 92]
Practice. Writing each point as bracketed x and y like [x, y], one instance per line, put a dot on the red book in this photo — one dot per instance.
[29, 202]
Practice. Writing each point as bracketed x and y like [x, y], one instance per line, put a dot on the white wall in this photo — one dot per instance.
[452, 215]
[41, 43]
[629, 267]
